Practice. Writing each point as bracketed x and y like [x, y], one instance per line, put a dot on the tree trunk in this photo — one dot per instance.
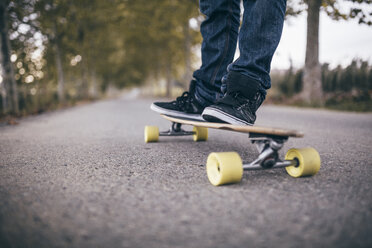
[168, 79]
[188, 71]
[85, 77]
[10, 84]
[312, 84]
[93, 89]
[3, 89]
[60, 73]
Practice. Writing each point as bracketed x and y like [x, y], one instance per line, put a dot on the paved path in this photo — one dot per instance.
[83, 177]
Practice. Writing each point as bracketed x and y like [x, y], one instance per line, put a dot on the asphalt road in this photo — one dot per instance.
[83, 177]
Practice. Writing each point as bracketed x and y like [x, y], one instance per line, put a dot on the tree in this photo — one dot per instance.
[312, 87]
[312, 84]
[73, 49]
[54, 25]
[10, 96]
[157, 32]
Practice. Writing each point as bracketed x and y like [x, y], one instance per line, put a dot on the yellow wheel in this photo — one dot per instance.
[201, 134]
[308, 162]
[224, 168]
[151, 134]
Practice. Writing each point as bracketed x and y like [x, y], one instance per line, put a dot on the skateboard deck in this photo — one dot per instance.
[227, 167]
[237, 128]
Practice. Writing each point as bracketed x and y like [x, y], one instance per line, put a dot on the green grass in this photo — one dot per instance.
[350, 105]
[336, 102]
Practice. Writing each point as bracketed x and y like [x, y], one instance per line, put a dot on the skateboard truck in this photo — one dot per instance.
[268, 147]
[176, 130]
[198, 133]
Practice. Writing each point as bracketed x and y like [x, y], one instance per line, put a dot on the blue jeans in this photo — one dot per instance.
[258, 37]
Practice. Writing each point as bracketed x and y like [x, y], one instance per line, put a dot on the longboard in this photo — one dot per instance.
[227, 167]
[237, 128]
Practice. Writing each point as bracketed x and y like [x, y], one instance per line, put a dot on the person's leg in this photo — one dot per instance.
[220, 34]
[258, 39]
[248, 77]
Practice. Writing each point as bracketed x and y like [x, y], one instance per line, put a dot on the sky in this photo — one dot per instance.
[339, 42]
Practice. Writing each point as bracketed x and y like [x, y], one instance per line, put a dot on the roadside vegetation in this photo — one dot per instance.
[58, 53]
[348, 88]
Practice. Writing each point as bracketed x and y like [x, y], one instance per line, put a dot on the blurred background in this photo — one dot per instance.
[57, 53]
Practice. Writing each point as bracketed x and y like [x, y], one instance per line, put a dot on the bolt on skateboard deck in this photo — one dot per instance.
[227, 167]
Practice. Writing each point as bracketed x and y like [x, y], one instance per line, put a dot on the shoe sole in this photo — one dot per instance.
[176, 113]
[225, 117]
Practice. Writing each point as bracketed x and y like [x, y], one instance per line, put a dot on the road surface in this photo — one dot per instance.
[83, 177]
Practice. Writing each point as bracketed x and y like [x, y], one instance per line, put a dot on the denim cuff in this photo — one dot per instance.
[205, 94]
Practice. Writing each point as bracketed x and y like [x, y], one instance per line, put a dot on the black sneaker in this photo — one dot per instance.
[234, 108]
[185, 106]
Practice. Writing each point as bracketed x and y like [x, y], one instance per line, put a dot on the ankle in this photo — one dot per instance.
[245, 85]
